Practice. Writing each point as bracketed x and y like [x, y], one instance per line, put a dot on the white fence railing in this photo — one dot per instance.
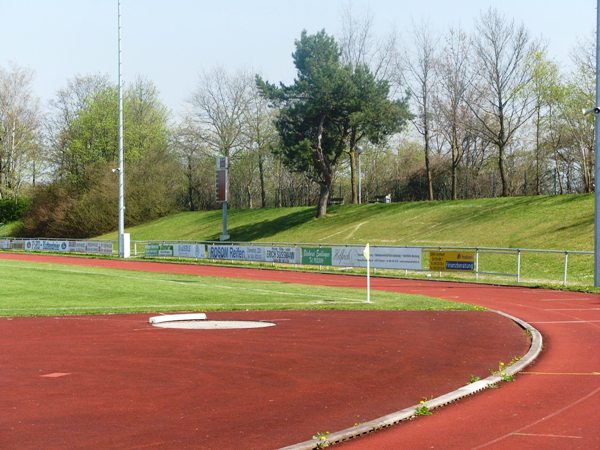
[532, 265]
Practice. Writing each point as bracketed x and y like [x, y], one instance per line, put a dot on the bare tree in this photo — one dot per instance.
[453, 97]
[420, 77]
[548, 93]
[19, 130]
[261, 136]
[503, 65]
[219, 105]
[190, 151]
[360, 47]
[579, 131]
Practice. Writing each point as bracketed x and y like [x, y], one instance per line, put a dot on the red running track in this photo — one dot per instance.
[552, 405]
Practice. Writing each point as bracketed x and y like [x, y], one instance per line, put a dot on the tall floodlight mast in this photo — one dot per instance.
[123, 242]
[597, 160]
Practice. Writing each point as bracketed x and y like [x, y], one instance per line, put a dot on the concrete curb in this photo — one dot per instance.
[410, 412]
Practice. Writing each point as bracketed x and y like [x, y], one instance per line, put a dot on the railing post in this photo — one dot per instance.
[518, 265]
[566, 268]
[477, 264]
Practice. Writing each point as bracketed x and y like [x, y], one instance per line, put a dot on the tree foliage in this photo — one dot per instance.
[329, 108]
[81, 199]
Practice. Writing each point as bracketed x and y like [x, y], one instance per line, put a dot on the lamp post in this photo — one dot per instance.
[597, 159]
[123, 239]
[596, 111]
[359, 151]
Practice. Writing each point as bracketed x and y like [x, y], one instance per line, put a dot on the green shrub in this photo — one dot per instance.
[13, 209]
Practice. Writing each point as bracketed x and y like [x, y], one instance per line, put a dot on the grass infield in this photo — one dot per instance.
[43, 289]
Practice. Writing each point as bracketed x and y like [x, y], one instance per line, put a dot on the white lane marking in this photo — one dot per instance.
[549, 416]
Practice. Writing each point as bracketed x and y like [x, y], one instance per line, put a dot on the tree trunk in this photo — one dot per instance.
[354, 176]
[190, 186]
[261, 175]
[249, 196]
[502, 170]
[538, 184]
[324, 191]
[428, 172]
[455, 161]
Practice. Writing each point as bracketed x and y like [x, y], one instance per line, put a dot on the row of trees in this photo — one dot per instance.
[440, 117]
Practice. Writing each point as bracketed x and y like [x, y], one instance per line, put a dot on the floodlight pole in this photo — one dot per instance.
[121, 169]
[596, 111]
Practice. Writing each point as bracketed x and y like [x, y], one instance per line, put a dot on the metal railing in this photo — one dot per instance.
[491, 263]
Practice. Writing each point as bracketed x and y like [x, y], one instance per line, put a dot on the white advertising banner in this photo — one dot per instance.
[4, 244]
[286, 255]
[102, 248]
[381, 257]
[78, 246]
[283, 255]
[189, 250]
[40, 245]
[236, 252]
[46, 246]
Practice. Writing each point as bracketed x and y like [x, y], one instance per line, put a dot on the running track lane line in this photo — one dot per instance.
[556, 413]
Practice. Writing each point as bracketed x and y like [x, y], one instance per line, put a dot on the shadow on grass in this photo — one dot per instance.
[267, 228]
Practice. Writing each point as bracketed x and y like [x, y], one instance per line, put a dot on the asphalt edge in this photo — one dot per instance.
[445, 399]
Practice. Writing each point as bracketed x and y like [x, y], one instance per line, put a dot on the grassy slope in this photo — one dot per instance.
[549, 222]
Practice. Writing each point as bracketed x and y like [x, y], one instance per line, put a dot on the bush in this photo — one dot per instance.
[13, 209]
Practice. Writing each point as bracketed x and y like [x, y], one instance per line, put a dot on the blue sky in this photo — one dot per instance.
[171, 41]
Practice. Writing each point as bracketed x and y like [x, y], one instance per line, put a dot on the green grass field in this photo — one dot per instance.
[42, 289]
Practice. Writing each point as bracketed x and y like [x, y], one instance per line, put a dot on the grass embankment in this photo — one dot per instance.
[543, 222]
[546, 222]
[37, 289]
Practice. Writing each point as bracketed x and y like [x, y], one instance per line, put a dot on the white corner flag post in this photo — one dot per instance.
[367, 255]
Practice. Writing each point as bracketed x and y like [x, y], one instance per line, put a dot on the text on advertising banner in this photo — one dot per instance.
[452, 261]
[317, 256]
[404, 258]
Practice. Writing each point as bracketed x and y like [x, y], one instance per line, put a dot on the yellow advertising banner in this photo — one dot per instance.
[451, 261]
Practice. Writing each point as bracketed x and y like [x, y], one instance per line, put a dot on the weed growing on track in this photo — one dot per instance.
[322, 439]
[422, 409]
[473, 378]
[501, 371]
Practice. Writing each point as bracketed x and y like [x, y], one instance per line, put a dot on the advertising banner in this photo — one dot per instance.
[78, 247]
[287, 255]
[318, 256]
[47, 246]
[151, 250]
[189, 250]
[103, 248]
[165, 250]
[283, 255]
[4, 244]
[236, 252]
[381, 257]
[452, 261]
